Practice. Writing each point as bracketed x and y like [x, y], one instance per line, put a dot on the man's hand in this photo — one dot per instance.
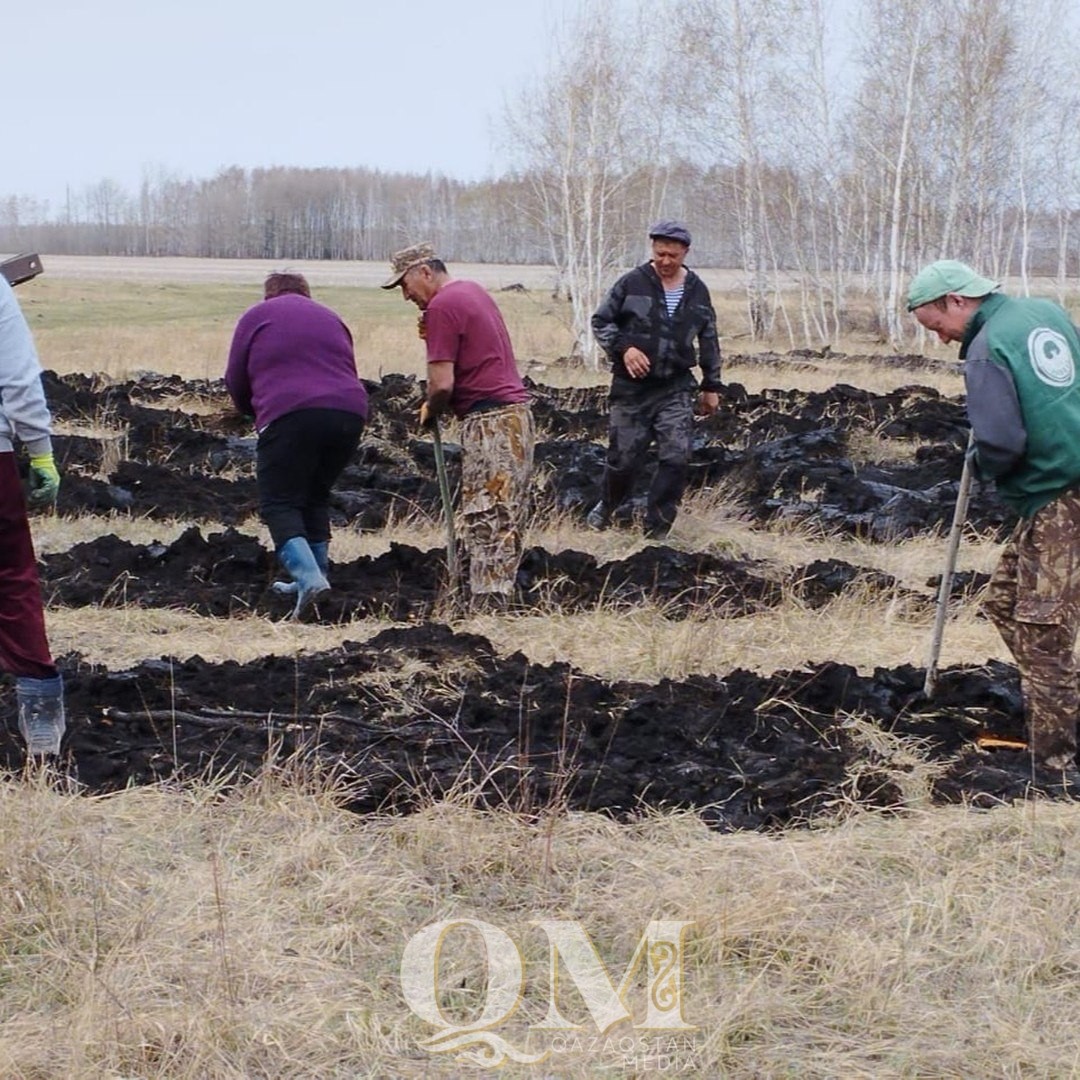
[421, 329]
[44, 480]
[637, 363]
[708, 403]
[427, 417]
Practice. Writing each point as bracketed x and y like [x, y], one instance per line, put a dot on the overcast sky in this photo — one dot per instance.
[117, 88]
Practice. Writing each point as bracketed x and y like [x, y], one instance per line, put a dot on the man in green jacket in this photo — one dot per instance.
[1023, 402]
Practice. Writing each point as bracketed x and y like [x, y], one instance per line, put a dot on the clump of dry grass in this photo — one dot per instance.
[711, 518]
[205, 932]
[58, 532]
[642, 643]
[121, 637]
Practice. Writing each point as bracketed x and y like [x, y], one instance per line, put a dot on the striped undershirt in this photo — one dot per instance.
[673, 296]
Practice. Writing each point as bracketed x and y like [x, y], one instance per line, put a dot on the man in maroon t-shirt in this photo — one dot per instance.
[471, 371]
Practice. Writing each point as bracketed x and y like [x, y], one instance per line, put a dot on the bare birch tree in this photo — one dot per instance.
[578, 136]
[735, 106]
[888, 128]
[1043, 90]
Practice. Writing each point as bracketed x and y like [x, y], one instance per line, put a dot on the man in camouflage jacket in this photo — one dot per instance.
[648, 326]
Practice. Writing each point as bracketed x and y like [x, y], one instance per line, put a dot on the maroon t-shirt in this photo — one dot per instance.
[463, 324]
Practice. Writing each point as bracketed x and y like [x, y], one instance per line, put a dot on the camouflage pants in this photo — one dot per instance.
[667, 416]
[1034, 601]
[496, 465]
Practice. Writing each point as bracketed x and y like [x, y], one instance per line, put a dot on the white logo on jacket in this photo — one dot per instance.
[1051, 357]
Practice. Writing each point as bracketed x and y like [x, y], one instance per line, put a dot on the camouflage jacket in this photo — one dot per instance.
[634, 314]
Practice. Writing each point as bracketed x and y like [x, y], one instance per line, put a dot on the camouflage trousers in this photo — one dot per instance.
[662, 414]
[496, 466]
[1034, 601]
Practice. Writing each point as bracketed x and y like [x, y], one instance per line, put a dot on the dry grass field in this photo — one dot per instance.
[118, 316]
[217, 931]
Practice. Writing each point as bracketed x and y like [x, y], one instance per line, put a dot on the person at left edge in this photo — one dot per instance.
[292, 366]
[24, 648]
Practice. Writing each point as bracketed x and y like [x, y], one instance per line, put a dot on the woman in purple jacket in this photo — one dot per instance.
[291, 365]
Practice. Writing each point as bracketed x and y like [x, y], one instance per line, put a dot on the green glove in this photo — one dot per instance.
[44, 480]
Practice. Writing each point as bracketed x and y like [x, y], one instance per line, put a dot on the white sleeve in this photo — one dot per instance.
[22, 397]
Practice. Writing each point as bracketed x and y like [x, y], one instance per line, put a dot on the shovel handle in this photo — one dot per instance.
[448, 506]
[963, 496]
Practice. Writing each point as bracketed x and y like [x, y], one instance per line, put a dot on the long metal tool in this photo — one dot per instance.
[448, 508]
[945, 588]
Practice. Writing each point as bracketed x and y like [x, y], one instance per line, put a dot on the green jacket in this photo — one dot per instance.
[1023, 398]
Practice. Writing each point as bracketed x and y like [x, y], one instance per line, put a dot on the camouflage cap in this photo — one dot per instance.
[401, 262]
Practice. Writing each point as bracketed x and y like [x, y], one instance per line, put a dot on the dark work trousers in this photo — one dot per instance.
[664, 414]
[24, 649]
[300, 456]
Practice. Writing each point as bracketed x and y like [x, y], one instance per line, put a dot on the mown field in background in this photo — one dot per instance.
[118, 316]
[206, 932]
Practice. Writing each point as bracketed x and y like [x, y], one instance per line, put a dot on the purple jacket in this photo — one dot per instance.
[291, 353]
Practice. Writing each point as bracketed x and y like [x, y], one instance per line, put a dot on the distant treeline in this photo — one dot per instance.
[359, 213]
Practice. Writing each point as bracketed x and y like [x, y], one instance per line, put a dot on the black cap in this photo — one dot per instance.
[670, 230]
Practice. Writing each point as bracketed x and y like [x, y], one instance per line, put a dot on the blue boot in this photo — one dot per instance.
[41, 713]
[297, 557]
[321, 551]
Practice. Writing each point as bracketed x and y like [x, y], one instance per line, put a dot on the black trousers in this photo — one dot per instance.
[300, 455]
[663, 415]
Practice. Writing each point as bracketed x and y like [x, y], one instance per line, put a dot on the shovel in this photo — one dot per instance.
[959, 516]
[448, 508]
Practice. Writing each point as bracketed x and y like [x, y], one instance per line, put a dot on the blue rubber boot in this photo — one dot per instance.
[41, 713]
[321, 551]
[299, 560]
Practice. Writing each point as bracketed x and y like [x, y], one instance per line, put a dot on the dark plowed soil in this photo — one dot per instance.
[230, 573]
[782, 454]
[751, 751]
[419, 711]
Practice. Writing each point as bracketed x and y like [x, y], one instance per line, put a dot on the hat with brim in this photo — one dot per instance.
[401, 262]
[945, 277]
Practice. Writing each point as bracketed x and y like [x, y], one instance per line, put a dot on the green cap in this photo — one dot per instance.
[943, 277]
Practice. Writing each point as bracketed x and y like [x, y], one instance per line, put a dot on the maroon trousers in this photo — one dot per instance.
[24, 649]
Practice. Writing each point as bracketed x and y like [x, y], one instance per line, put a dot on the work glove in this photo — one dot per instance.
[44, 480]
[427, 417]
